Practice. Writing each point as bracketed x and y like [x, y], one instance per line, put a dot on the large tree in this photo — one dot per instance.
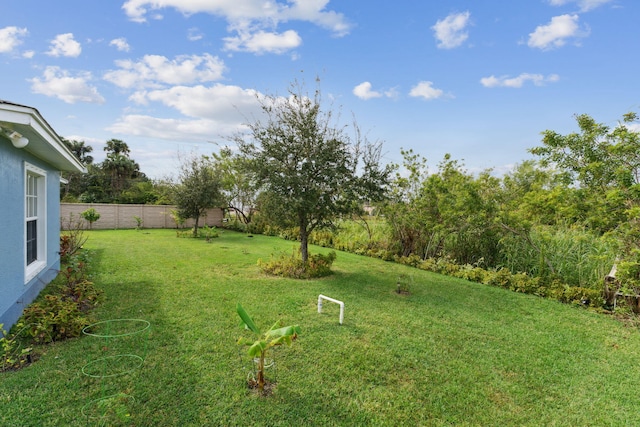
[603, 163]
[448, 213]
[239, 190]
[75, 182]
[311, 170]
[121, 169]
[197, 189]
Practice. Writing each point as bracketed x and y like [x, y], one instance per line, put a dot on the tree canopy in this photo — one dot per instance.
[310, 170]
[198, 189]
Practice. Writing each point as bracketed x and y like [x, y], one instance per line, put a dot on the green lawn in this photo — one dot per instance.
[451, 353]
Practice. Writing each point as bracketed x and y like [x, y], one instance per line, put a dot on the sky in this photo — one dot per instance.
[478, 79]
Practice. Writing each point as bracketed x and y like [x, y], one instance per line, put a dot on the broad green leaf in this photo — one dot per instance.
[248, 321]
[257, 348]
[284, 331]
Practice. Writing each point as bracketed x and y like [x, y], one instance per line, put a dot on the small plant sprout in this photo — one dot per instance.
[139, 222]
[403, 285]
[258, 349]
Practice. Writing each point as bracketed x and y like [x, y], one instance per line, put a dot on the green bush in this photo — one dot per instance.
[500, 278]
[578, 295]
[504, 278]
[322, 238]
[62, 312]
[471, 273]
[289, 233]
[54, 319]
[72, 237]
[15, 351]
[90, 215]
[208, 232]
[292, 266]
[204, 232]
[74, 284]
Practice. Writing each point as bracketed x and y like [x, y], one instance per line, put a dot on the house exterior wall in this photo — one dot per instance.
[15, 294]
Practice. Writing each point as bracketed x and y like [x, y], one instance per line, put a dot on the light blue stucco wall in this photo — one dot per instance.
[15, 295]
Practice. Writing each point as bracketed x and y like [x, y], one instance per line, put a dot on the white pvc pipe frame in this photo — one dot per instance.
[340, 303]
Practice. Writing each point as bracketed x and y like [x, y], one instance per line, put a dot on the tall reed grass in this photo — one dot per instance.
[576, 256]
[573, 255]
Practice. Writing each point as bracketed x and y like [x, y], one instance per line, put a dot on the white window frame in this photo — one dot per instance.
[40, 211]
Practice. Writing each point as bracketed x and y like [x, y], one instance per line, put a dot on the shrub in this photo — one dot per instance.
[204, 232]
[235, 225]
[292, 266]
[471, 273]
[15, 352]
[71, 238]
[322, 238]
[177, 218]
[63, 313]
[500, 278]
[412, 260]
[91, 215]
[579, 295]
[517, 282]
[208, 232]
[139, 222]
[53, 319]
[289, 233]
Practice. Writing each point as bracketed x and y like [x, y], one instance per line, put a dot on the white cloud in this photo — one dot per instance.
[218, 102]
[254, 21]
[65, 45]
[120, 44]
[450, 31]
[166, 129]
[10, 38]
[194, 34]
[363, 91]
[260, 42]
[519, 81]
[253, 11]
[426, 90]
[314, 11]
[633, 127]
[209, 113]
[208, 118]
[585, 5]
[157, 70]
[556, 32]
[58, 83]
[391, 93]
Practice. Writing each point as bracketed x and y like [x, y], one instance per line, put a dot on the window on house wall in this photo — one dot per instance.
[35, 221]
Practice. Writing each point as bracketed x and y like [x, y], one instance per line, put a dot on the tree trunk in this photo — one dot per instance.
[304, 237]
[304, 245]
[195, 226]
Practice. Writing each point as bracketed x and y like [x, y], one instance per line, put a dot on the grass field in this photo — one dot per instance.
[450, 353]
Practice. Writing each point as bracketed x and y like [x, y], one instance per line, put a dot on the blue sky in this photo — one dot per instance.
[477, 79]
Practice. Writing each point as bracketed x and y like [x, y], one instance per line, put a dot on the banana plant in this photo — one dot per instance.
[258, 349]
